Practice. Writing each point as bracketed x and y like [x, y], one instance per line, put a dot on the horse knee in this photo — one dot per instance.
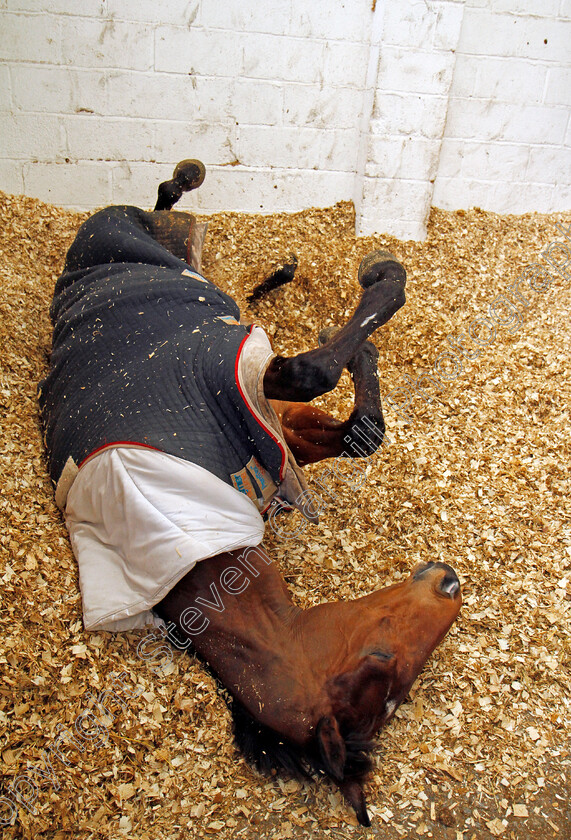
[301, 378]
[314, 377]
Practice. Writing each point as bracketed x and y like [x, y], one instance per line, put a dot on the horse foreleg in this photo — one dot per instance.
[307, 375]
[313, 435]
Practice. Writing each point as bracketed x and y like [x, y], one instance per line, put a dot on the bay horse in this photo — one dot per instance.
[148, 356]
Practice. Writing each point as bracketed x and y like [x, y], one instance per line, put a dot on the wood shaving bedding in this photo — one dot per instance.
[476, 477]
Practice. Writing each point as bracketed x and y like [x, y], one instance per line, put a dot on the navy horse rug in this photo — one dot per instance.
[149, 359]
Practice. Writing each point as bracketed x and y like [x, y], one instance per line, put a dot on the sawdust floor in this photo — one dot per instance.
[477, 478]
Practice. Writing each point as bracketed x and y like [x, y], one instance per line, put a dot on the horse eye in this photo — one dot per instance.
[383, 655]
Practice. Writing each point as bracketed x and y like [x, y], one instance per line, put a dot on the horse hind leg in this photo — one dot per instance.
[308, 375]
[179, 232]
[188, 175]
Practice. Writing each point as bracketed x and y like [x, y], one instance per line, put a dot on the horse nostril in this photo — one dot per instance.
[450, 585]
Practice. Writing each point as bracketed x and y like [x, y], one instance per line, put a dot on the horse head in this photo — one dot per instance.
[349, 666]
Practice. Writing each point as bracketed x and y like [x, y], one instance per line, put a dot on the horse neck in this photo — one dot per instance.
[255, 642]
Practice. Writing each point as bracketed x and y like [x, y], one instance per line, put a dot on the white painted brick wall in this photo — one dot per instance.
[412, 88]
[290, 104]
[506, 144]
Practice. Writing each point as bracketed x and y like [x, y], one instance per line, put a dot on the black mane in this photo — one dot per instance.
[270, 752]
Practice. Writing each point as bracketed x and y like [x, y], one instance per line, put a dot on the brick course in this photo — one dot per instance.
[290, 104]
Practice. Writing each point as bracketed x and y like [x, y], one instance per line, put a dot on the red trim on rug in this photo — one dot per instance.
[116, 443]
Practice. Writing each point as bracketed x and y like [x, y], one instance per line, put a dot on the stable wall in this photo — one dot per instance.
[397, 105]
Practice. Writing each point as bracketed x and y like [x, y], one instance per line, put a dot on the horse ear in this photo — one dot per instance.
[353, 793]
[331, 747]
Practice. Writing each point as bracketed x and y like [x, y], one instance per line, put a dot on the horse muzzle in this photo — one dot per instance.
[448, 585]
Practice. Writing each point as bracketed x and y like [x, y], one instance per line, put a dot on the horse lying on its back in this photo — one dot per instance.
[171, 431]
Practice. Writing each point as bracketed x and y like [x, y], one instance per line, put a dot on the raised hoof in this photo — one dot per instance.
[189, 174]
[378, 266]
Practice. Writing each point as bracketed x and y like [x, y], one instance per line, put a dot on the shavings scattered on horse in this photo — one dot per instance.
[479, 480]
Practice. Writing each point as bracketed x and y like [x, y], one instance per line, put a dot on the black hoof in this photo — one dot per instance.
[189, 174]
[378, 266]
